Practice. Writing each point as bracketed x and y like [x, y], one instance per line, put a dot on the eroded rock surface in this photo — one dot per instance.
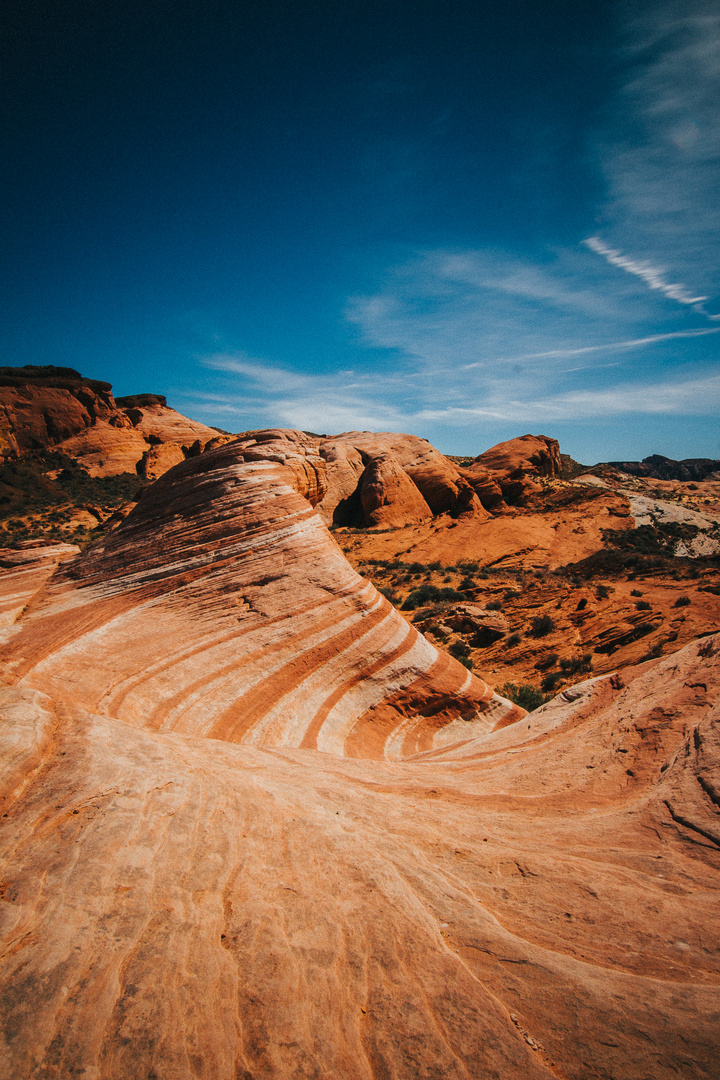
[222, 607]
[254, 826]
[508, 472]
[58, 408]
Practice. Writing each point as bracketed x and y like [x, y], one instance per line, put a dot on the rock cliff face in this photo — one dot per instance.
[254, 826]
[44, 407]
[379, 480]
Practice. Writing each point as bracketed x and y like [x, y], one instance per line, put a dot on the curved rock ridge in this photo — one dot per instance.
[537, 904]
[222, 607]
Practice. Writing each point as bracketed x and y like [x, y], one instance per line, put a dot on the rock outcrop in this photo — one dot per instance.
[253, 825]
[221, 607]
[508, 472]
[49, 407]
[539, 902]
[662, 468]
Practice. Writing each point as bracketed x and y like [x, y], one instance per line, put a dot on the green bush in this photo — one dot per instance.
[494, 605]
[682, 601]
[459, 649]
[643, 605]
[551, 680]
[426, 594]
[576, 664]
[526, 696]
[512, 640]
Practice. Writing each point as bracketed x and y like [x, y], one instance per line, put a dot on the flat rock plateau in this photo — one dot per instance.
[256, 825]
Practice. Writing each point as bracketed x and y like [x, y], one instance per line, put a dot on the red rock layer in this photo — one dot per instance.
[222, 607]
[376, 466]
[539, 903]
[48, 407]
[509, 470]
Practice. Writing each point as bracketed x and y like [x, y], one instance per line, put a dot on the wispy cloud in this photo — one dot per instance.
[471, 335]
[653, 276]
[692, 397]
[660, 150]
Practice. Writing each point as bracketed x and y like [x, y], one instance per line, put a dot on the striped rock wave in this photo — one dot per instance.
[223, 608]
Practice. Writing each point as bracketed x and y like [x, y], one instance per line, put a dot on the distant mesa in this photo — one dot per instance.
[663, 468]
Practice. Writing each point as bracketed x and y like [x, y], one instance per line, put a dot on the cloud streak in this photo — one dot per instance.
[653, 276]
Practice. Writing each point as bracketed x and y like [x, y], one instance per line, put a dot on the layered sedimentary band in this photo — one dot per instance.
[222, 607]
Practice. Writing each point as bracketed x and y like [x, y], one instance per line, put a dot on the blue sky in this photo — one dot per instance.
[463, 220]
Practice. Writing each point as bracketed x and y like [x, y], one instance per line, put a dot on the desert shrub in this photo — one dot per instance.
[468, 566]
[493, 605]
[636, 592]
[389, 594]
[682, 601]
[526, 696]
[458, 649]
[575, 664]
[602, 592]
[541, 625]
[642, 605]
[551, 680]
[467, 583]
[547, 662]
[425, 594]
[512, 640]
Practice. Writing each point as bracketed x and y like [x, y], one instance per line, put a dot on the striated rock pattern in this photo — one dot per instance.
[23, 572]
[540, 902]
[222, 607]
[254, 827]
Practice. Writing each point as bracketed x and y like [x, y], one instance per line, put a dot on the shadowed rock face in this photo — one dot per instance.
[190, 889]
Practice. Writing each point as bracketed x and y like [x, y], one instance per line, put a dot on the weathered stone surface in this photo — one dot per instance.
[222, 607]
[252, 825]
[131, 437]
[58, 408]
[440, 485]
[512, 467]
[23, 572]
[539, 902]
[473, 619]
[158, 459]
[35, 416]
[389, 497]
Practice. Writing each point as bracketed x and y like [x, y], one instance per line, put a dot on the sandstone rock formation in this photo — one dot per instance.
[43, 407]
[240, 619]
[508, 471]
[253, 826]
